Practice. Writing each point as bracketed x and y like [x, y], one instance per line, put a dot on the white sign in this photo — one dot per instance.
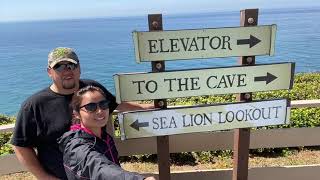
[197, 82]
[204, 43]
[203, 118]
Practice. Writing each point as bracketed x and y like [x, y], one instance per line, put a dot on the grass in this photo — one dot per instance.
[297, 157]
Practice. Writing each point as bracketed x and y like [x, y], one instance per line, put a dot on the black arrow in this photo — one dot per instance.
[268, 78]
[136, 125]
[252, 41]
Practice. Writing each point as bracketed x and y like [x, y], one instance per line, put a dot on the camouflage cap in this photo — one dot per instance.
[60, 54]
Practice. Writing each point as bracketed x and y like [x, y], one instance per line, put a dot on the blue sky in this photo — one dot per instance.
[21, 10]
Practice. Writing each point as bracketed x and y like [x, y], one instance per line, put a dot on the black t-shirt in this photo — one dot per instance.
[43, 118]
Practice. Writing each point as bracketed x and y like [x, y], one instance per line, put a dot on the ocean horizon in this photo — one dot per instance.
[105, 47]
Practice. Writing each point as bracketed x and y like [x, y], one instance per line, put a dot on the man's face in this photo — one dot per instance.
[65, 75]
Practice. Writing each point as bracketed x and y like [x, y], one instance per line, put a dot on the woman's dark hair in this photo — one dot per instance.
[77, 98]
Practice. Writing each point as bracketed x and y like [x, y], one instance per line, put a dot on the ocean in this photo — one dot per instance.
[105, 47]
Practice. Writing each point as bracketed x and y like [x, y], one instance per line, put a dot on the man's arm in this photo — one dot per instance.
[28, 157]
[131, 106]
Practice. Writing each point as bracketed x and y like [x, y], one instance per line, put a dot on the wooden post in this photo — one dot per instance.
[248, 17]
[155, 24]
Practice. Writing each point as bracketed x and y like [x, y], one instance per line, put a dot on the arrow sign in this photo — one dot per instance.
[204, 43]
[268, 78]
[203, 118]
[206, 81]
[252, 41]
[136, 125]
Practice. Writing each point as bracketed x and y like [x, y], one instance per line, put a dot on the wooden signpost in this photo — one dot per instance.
[155, 24]
[241, 138]
[246, 41]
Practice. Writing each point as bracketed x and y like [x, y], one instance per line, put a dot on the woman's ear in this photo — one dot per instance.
[76, 118]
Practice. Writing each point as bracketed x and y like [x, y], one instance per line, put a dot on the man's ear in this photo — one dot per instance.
[49, 71]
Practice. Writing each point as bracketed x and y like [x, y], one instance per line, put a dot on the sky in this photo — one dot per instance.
[29, 10]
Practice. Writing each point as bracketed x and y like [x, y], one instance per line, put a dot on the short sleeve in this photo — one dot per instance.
[25, 130]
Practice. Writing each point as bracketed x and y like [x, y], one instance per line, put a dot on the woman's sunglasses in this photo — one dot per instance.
[61, 67]
[92, 107]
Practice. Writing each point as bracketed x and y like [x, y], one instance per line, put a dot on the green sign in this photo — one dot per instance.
[203, 118]
[204, 43]
[197, 82]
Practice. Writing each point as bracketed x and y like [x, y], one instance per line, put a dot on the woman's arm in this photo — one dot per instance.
[83, 160]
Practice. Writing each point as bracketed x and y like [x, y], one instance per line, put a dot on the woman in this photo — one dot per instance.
[89, 152]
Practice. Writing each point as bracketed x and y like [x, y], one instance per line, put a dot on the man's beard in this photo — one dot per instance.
[68, 85]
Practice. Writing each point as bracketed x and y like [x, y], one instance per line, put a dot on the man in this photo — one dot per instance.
[46, 115]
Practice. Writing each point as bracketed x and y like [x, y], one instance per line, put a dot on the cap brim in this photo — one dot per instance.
[63, 59]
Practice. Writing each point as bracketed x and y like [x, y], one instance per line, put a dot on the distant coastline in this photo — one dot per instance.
[181, 15]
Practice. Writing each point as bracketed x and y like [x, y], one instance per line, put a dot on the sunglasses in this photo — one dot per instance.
[92, 107]
[61, 67]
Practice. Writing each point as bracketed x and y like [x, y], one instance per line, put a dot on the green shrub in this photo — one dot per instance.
[6, 119]
[5, 148]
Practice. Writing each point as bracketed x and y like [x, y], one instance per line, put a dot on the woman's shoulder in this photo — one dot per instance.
[75, 138]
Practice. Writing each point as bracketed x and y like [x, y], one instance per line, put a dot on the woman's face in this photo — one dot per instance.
[93, 119]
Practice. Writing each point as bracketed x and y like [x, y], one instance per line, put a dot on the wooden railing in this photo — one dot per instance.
[262, 138]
